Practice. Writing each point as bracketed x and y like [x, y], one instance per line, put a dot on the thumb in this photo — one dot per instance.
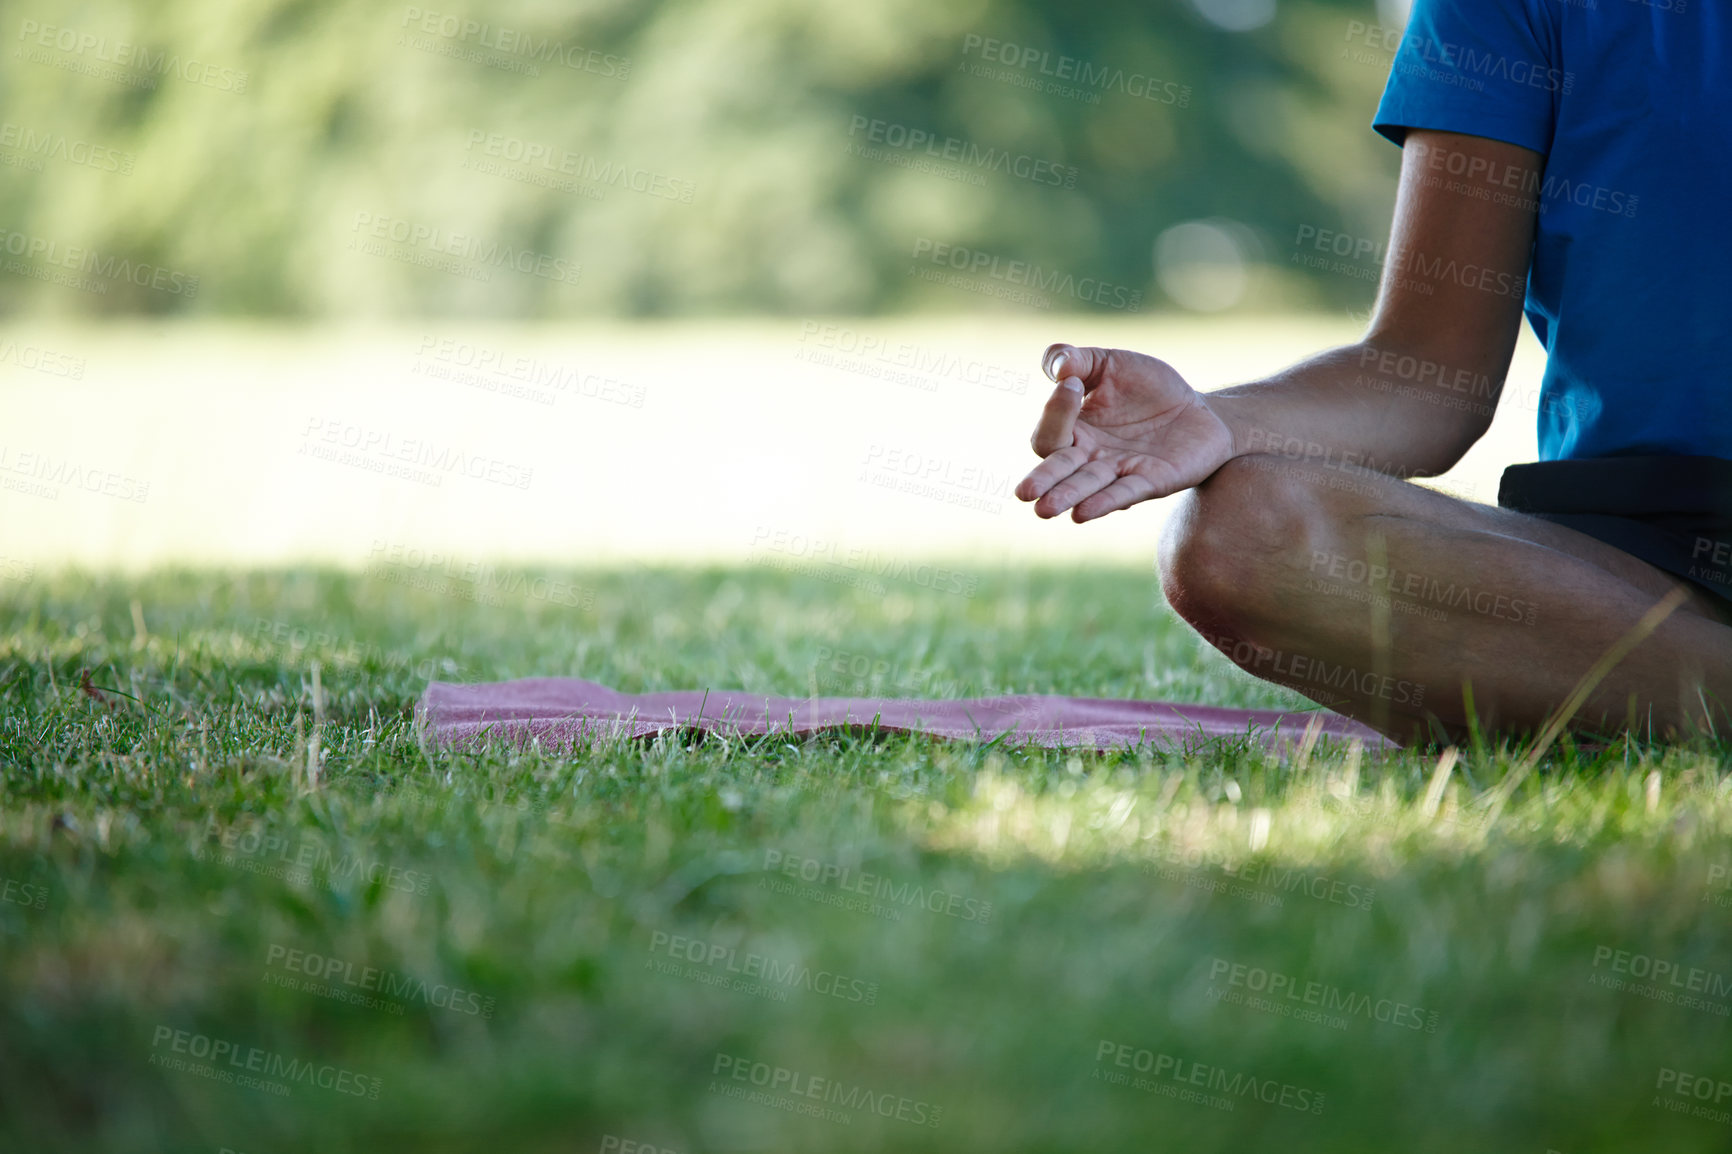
[1057, 427]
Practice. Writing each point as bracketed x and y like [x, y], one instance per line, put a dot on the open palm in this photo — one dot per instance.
[1120, 428]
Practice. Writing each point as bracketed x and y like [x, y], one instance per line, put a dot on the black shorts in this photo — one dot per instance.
[1675, 513]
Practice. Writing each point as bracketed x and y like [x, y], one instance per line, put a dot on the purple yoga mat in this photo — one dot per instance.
[560, 711]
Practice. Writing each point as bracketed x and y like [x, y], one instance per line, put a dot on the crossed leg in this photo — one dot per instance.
[1385, 600]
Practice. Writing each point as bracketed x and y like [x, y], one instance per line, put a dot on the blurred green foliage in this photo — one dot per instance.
[240, 141]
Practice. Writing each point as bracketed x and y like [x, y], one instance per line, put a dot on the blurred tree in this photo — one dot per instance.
[331, 158]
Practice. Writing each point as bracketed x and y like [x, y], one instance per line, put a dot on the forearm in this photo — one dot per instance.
[1421, 387]
[1373, 405]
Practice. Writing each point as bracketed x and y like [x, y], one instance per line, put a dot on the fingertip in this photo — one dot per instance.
[1056, 359]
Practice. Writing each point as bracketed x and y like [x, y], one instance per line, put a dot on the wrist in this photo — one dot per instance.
[1241, 426]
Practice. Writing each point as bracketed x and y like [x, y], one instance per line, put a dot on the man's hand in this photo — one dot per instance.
[1120, 428]
[1123, 428]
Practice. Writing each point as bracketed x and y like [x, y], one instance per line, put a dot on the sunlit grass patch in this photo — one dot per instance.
[541, 949]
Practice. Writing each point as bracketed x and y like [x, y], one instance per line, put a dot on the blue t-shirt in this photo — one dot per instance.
[1630, 289]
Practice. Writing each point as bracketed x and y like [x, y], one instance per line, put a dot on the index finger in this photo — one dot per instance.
[1062, 360]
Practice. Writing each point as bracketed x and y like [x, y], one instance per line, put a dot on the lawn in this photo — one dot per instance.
[241, 915]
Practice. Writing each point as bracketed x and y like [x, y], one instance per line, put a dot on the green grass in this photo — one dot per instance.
[1082, 899]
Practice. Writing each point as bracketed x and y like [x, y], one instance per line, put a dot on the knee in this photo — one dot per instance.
[1223, 553]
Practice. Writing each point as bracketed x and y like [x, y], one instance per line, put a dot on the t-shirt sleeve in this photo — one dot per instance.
[1481, 67]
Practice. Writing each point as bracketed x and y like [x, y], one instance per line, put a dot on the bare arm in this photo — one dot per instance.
[1409, 398]
[1448, 313]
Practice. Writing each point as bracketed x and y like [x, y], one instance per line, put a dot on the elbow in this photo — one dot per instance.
[1450, 441]
[1444, 396]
